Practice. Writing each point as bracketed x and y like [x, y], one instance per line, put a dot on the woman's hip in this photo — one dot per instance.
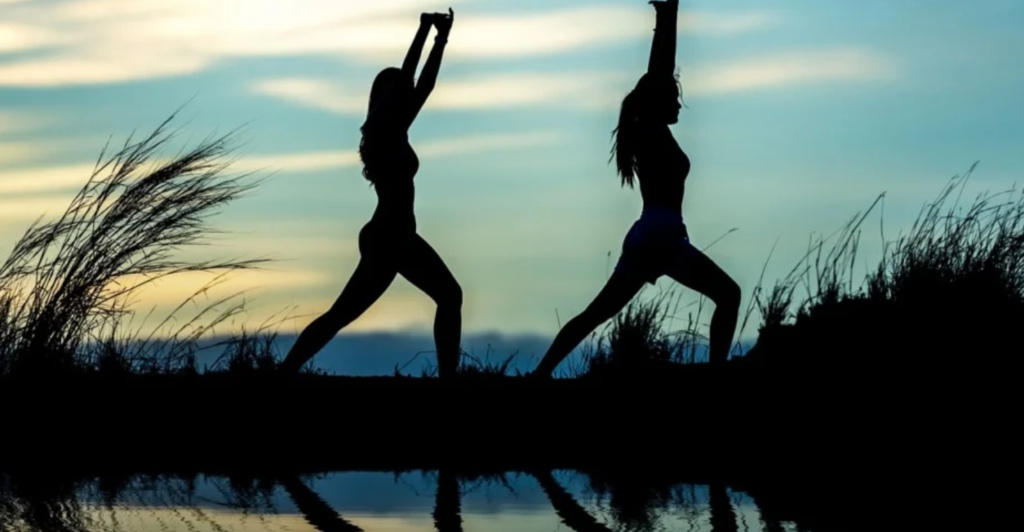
[384, 240]
[656, 231]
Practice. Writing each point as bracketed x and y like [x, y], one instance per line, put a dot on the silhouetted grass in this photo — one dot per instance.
[470, 366]
[951, 288]
[640, 339]
[643, 338]
[949, 293]
[250, 353]
[66, 287]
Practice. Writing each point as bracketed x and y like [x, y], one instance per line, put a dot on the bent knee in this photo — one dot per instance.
[450, 297]
[729, 294]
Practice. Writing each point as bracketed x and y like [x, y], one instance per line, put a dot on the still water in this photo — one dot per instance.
[389, 502]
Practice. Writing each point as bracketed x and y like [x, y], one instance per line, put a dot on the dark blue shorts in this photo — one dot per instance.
[655, 245]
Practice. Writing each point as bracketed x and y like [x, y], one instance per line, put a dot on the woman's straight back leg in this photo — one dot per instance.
[621, 287]
[369, 281]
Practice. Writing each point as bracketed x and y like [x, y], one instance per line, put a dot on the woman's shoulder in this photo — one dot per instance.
[652, 138]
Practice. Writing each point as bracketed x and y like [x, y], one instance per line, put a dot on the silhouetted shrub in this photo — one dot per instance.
[950, 290]
[66, 285]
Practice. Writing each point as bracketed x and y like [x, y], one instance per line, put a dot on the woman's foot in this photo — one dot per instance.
[286, 368]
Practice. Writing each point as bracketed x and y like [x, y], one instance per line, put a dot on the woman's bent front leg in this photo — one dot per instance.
[423, 267]
[696, 271]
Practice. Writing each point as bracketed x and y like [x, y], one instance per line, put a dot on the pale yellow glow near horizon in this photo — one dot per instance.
[169, 519]
[269, 296]
[511, 516]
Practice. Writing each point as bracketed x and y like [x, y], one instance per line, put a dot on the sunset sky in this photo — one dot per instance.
[799, 114]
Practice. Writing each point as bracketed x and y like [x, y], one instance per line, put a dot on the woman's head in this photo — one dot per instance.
[390, 99]
[658, 99]
[653, 101]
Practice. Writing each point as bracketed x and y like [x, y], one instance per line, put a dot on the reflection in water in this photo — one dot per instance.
[319, 513]
[639, 502]
[378, 501]
[723, 519]
[565, 505]
[448, 503]
[316, 510]
[770, 522]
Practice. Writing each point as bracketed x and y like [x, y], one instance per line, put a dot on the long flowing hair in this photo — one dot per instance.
[380, 117]
[626, 133]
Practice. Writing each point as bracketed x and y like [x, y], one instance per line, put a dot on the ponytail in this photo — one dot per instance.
[625, 134]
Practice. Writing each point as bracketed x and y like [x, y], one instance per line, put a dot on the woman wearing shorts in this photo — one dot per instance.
[658, 243]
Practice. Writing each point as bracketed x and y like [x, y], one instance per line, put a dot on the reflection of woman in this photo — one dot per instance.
[658, 243]
[447, 503]
[573, 515]
[389, 244]
[316, 511]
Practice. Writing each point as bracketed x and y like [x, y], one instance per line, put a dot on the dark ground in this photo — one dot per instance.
[813, 444]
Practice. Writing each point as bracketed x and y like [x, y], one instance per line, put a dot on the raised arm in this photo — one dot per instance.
[663, 48]
[412, 58]
[428, 77]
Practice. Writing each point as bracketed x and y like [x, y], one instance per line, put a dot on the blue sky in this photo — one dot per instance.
[800, 114]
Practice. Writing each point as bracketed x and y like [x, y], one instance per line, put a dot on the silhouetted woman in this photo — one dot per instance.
[388, 243]
[658, 243]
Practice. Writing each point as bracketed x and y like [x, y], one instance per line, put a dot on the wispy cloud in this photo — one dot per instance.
[49, 179]
[17, 37]
[562, 30]
[45, 178]
[524, 89]
[106, 41]
[298, 162]
[598, 89]
[16, 210]
[487, 143]
[22, 152]
[18, 121]
[499, 91]
[333, 159]
[333, 96]
[174, 289]
[792, 68]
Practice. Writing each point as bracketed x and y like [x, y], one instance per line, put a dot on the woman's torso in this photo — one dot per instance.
[662, 168]
[393, 174]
